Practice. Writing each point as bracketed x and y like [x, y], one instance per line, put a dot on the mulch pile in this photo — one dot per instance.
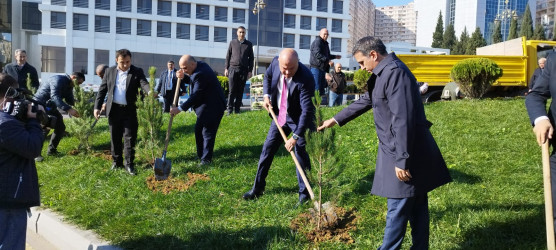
[336, 223]
[172, 184]
[105, 154]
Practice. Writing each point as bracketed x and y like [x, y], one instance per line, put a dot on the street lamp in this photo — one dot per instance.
[504, 16]
[259, 5]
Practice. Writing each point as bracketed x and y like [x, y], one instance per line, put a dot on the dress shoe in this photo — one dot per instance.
[115, 166]
[204, 162]
[130, 170]
[52, 152]
[39, 158]
[251, 195]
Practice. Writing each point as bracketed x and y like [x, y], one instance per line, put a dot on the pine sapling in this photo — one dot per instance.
[28, 84]
[81, 127]
[149, 114]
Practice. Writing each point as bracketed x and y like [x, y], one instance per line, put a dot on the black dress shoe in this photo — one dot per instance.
[301, 202]
[204, 162]
[251, 195]
[115, 166]
[130, 170]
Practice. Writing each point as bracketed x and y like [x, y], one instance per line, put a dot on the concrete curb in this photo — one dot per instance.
[63, 235]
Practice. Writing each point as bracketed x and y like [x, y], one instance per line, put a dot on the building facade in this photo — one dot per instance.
[396, 23]
[545, 16]
[362, 21]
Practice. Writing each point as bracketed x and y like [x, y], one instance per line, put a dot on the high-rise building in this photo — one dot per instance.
[396, 23]
[545, 16]
[362, 21]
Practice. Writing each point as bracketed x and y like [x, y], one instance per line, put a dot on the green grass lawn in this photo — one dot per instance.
[495, 201]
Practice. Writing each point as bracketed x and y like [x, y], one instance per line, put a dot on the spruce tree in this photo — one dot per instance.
[438, 34]
[81, 127]
[526, 24]
[475, 41]
[497, 34]
[459, 49]
[554, 32]
[449, 39]
[149, 114]
[513, 29]
[539, 32]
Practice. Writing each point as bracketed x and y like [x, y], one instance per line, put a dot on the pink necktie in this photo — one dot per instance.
[283, 105]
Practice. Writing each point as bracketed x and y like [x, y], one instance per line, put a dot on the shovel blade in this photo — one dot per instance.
[162, 168]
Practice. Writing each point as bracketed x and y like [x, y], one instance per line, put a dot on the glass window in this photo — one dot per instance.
[58, 2]
[239, 1]
[307, 4]
[143, 27]
[144, 6]
[290, 4]
[102, 24]
[123, 26]
[201, 33]
[304, 42]
[202, 12]
[234, 33]
[220, 34]
[338, 6]
[184, 10]
[80, 60]
[337, 25]
[183, 31]
[289, 21]
[102, 4]
[336, 45]
[164, 8]
[101, 57]
[221, 14]
[322, 5]
[239, 16]
[80, 22]
[53, 59]
[31, 18]
[321, 23]
[289, 41]
[57, 20]
[305, 23]
[163, 29]
[123, 5]
[81, 3]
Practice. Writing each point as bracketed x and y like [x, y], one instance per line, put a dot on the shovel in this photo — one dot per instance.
[162, 166]
[548, 197]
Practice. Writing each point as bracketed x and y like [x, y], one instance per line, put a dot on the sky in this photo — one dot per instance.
[382, 3]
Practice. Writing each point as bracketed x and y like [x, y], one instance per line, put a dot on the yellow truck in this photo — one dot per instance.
[517, 58]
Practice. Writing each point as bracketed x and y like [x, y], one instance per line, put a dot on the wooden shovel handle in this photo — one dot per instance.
[550, 244]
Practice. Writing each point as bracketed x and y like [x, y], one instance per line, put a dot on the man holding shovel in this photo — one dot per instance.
[288, 87]
[207, 99]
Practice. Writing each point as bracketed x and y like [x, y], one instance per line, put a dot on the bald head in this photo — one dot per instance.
[338, 67]
[323, 33]
[188, 64]
[101, 68]
[289, 62]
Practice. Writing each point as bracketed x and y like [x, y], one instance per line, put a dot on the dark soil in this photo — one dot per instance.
[105, 154]
[74, 152]
[335, 226]
[172, 184]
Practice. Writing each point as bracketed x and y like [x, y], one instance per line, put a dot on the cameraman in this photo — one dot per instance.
[19, 186]
[53, 92]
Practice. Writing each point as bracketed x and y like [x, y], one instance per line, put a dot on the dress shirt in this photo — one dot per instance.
[169, 80]
[120, 88]
[289, 81]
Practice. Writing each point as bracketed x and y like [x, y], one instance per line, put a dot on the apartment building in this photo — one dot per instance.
[396, 23]
[545, 16]
[362, 21]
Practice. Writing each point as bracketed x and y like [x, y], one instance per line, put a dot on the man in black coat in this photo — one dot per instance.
[238, 67]
[20, 68]
[320, 60]
[208, 102]
[121, 84]
[537, 73]
[409, 163]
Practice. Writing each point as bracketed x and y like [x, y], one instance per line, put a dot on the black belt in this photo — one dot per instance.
[119, 105]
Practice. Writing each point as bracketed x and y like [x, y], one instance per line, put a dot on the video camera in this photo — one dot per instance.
[18, 102]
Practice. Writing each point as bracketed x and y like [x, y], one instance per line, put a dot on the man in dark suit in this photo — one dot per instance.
[537, 73]
[20, 68]
[121, 84]
[409, 163]
[288, 88]
[207, 99]
[167, 86]
[542, 120]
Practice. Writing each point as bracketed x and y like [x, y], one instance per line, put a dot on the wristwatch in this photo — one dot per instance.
[295, 137]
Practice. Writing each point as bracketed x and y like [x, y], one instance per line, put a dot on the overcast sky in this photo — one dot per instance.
[382, 3]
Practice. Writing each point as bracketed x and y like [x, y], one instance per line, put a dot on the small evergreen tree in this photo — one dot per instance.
[475, 41]
[149, 114]
[474, 76]
[81, 127]
[459, 48]
[449, 39]
[539, 32]
[513, 29]
[360, 78]
[28, 84]
[437, 36]
[497, 34]
[526, 24]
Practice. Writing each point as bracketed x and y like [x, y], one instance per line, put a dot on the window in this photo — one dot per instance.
[289, 41]
[163, 29]
[123, 26]
[102, 4]
[305, 23]
[322, 5]
[321, 23]
[337, 25]
[144, 6]
[184, 10]
[31, 18]
[306, 4]
[304, 42]
[123, 5]
[53, 59]
[220, 35]
[290, 4]
[239, 16]
[203, 12]
[58, 2]
[102, 24]
[164, 8]
[57, 20]
[336, 45]
[338, 6]
[101, 57]
[143, 27]
[234, 33]
[221, 14]
[81, 3]
[80, 60]
[289, 21]
[182, 31]
[239, 1]
[201, 33]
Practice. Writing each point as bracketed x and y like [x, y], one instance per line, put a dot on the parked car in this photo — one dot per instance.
[246, 100]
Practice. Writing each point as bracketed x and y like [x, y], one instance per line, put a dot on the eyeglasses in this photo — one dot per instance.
[11, 93]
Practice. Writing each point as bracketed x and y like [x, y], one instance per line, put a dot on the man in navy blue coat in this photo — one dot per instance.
[409, 163]
[208, 102]
[298, 114]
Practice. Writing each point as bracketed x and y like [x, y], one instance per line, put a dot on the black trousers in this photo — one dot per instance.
[59, 129]
[205, 136]
[236, 84]
[168, 99]
[123, 124]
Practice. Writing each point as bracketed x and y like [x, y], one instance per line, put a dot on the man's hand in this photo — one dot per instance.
[73, 112]
[266, 104]
[327, 124]
[103, 107]
[180, 73]
[249, 74]
[174, 111]
[226, 72]
[338, 57]
[96, 113]
[403, 174]
[290, 144]
[543, 131]
[328, 77]
[30, 113]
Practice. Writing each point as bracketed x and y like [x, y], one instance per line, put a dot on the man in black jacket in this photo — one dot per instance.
[238, 67]
[20, 68]
[336, 86]
[19, 185]
[320, 58]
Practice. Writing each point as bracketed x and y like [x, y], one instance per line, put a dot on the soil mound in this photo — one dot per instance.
[172, 184]
[335, 225]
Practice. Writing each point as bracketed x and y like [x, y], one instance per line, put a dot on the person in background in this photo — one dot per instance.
[167, 85]
[537, 73]
[238, 67]
[100, 70]
[320, 59]
[20, 68]
[336, 86]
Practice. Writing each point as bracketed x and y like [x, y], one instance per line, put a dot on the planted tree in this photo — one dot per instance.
[459, 49]
[497, 34]
[449, 39]
[475, 41]
[81, 127]
[539, 32]
[438, 35]
[513, 29]
[28, 84]
[360, 78]
[526, 24]
[474, 76]
[149, 114]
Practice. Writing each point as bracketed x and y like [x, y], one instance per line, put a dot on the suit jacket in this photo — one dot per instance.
[534, 77]
[207, 96]
[161, 86]
[57, 89]
[543, 89]
[20, 75]
[300, 91]
[135, 80]
[403, 132]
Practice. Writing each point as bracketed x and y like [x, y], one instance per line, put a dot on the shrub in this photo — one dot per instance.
[474, 76]
[224, 83]
[257, 78]
[349, 75]
[149, 117]
[360, 78]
